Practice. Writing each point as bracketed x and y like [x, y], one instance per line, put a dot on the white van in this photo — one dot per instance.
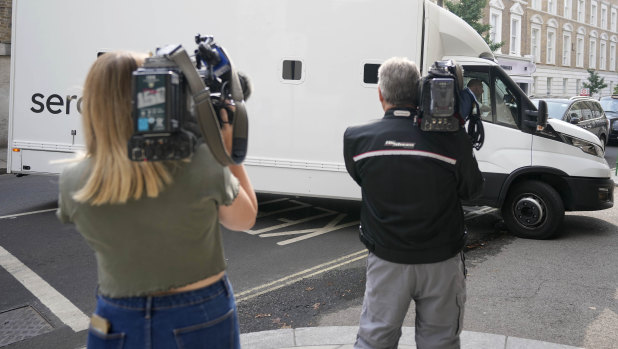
[534, 175]
[313, 64]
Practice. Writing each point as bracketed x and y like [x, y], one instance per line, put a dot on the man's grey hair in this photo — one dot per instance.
[398, 81]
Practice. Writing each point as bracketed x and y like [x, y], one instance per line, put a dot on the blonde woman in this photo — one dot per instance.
[154, 227]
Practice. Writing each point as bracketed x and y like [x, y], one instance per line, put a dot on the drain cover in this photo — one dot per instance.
[21, 323]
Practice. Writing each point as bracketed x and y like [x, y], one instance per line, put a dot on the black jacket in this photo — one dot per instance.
[412, 182]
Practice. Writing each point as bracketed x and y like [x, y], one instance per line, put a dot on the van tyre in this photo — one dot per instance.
[533, 210]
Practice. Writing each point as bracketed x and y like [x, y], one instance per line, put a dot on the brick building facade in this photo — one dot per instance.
[5, 68]
[563, 38]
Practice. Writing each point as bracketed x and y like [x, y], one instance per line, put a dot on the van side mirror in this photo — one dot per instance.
[574, 119]
[541, 119]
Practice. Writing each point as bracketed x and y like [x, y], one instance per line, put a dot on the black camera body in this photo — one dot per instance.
[439, 98]
[164, 115]
[160, 116]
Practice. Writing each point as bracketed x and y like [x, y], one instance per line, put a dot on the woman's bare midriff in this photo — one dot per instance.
[194, 286]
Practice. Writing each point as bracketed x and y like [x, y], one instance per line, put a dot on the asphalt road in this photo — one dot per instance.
[302, 265]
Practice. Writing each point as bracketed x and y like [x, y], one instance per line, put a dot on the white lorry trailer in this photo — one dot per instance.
[313, 65]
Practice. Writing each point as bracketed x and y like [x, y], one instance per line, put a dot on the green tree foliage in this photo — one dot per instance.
[471, 11]
[615, 90]
[595, 82]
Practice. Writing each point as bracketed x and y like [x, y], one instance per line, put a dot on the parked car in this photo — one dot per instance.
[584, 112]
[610, 106]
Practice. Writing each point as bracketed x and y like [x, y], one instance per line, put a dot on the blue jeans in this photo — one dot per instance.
[204, 318]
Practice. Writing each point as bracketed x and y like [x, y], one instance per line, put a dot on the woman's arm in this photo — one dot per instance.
[241, 214]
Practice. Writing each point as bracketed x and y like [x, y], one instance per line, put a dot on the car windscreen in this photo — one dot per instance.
[609, 104]
[556, 109]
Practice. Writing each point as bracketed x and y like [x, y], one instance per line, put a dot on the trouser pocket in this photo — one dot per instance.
[98, 340]
[218, 333]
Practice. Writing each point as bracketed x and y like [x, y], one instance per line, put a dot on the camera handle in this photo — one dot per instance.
[206, 115]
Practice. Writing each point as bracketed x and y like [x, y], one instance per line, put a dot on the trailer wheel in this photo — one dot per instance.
[533, 210]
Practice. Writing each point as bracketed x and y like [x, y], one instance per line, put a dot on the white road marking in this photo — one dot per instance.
[66, 311]
[266, 214]
[27, 213]
[293, 222]
[481, 211]
[305, 274]
[309, 233]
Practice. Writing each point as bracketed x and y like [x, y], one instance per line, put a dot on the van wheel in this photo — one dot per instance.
[533, 210]
[603, 142]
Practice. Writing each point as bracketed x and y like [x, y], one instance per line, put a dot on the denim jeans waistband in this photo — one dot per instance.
[172, 300]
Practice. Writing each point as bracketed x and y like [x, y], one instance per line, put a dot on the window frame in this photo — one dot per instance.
[566, 48]
[603, 55]
[580, 45]
[497, 29]
[581, 11]
[515, 38]
[535, 51]
[594, 9]
[550, 51]
[567, 10]
[592, 54]
[612, 56]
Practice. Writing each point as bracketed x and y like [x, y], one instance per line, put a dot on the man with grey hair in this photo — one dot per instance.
[412, 222]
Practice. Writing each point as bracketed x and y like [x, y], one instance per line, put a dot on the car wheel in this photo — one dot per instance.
[533, 210]
[603, 142]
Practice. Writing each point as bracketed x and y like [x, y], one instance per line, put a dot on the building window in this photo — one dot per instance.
[581, 10]
[579, 52]
[551, 6]
[535, 42]
[495, 32]
[593, 13]
[534, 85]
[567, 8]
[602, 55]
[536, 4]
[613, 18]
[612, 56]
[592, 57]
[565, 82]
[292, 70]
[578, 86]
[515, 47]
[551, 46]
[603, 16]
[566, 49]
[549, 81]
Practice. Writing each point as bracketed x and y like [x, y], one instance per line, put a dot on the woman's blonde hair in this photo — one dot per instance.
[107, 128]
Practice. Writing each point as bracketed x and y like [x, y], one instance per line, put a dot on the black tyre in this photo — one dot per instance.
[533, 210]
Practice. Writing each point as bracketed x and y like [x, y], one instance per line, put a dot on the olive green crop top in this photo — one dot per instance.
[155, 244]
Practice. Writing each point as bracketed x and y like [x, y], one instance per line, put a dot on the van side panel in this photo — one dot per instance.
[296, 122]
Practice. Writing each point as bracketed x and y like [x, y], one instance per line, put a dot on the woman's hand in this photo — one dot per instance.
[226, 127]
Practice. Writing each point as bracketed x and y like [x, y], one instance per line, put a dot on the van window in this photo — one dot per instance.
[370, 73]
[483, 97]
[506, 104]
[292, 70]
[499, 104]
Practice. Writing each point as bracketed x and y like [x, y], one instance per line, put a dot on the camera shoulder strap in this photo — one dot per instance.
[206, 115]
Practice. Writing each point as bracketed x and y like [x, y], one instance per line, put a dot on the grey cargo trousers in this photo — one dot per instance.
[439, 293]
